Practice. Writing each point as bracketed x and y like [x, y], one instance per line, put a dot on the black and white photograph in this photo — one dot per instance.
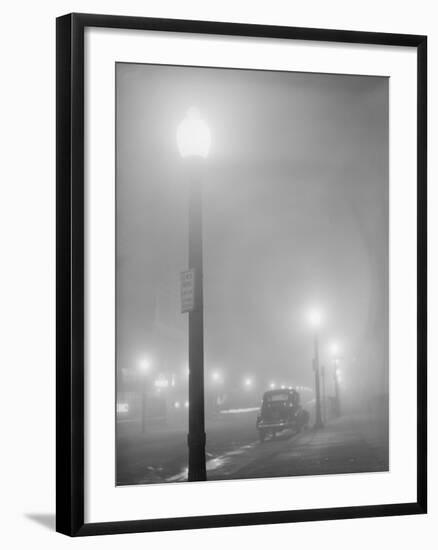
[217, 271]
[252, 274]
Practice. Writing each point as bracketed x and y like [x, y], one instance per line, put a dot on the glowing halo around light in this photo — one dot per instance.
[334, 349]
[144, 364]
[315, 317]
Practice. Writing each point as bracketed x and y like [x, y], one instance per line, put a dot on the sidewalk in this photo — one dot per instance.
[345, 445]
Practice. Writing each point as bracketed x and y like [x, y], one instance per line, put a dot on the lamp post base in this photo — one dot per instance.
[197, 467]
[197, 476]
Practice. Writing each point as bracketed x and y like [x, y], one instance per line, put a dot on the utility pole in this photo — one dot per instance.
[324, 397]
[318, 419]
[336, 384]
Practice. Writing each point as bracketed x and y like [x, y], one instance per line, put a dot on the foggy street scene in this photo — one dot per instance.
[252, 324]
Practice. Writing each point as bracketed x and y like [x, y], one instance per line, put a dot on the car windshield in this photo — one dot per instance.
[276, 397]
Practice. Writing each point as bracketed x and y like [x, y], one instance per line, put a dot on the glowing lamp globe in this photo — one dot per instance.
[193, 135]
[216, 376]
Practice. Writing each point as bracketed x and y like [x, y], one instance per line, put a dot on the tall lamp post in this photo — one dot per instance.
[324, 395]
[315, 321]
[335, 360]
[144, 367]
[217, 381]
[193, 139]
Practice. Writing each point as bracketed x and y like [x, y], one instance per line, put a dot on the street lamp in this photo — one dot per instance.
[334, 350]
[144, 366]
[193, 140]
[324, 393]
[315, 318]
[193, 135]
[216, 377]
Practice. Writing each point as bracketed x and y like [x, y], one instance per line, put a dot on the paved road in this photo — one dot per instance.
[350, 444]
[160, 454]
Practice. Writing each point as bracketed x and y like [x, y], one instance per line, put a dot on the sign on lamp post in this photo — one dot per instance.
[187, 280]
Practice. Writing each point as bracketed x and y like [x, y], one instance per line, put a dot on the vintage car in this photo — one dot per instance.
[281, 410]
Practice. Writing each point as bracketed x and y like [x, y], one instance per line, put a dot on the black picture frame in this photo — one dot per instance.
[70, 273]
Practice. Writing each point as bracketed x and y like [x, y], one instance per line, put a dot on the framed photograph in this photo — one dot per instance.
[241, 274]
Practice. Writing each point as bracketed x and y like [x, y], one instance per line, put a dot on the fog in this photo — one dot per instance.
[295, 208]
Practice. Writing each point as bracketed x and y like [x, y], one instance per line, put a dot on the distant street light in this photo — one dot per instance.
[334, 349]
[324, 394]
[272, 385]
[193, 140]
[247, 382]
[144, 366]
[315, 318]
[216, 376]
[217, 379]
